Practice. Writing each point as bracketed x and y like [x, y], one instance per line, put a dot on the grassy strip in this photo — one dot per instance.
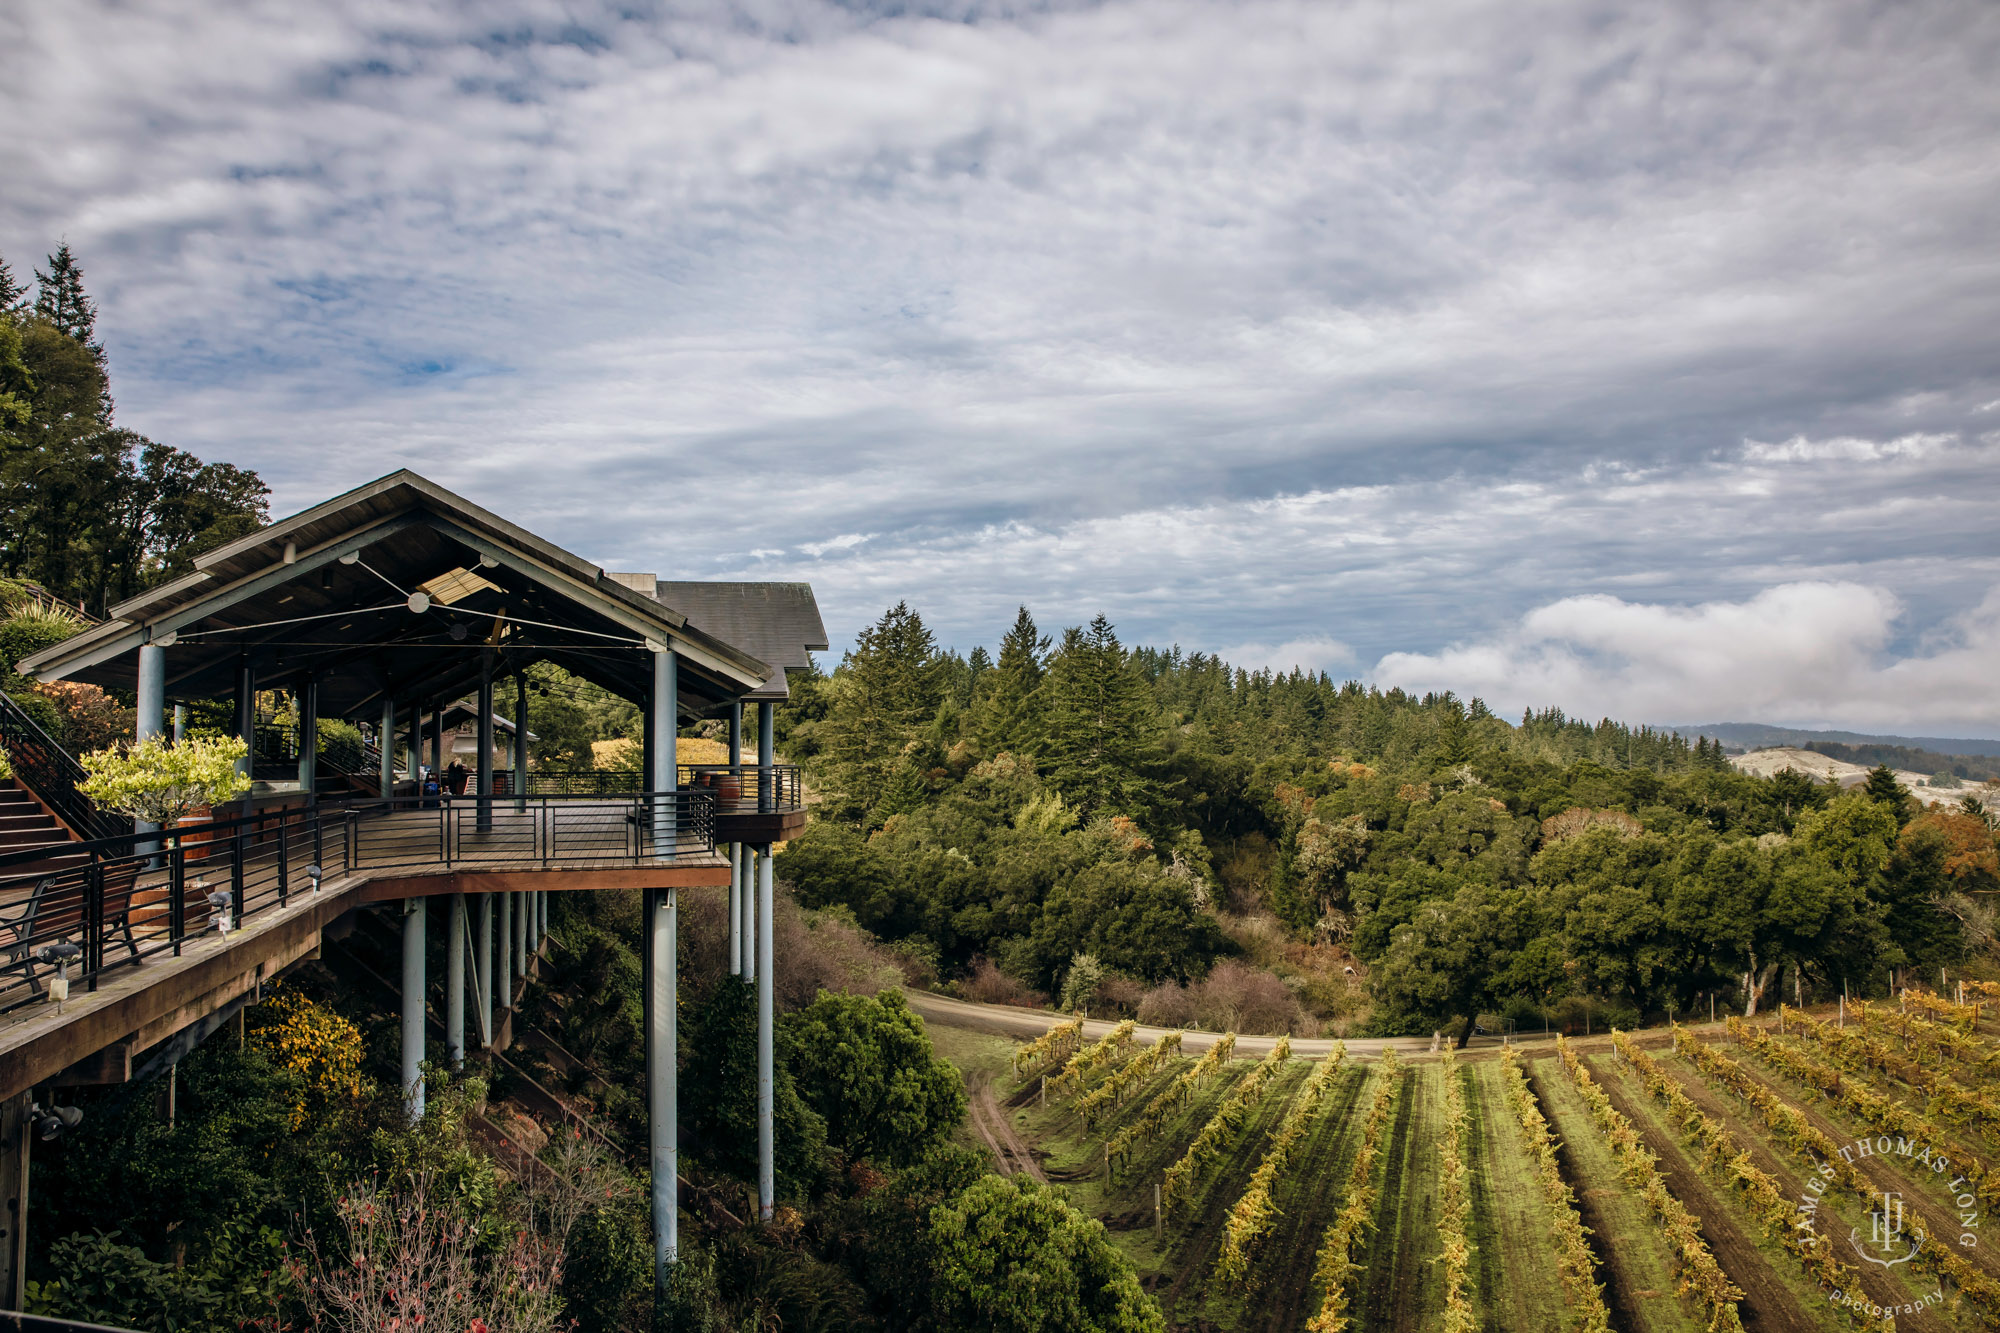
[1050, 1047]
[1091, 1056]
[1336, 1268]
[1576, 1263]
[1223, 1127]
[1729, 1162]
[1700, 1275]
[1253, 1214]
[1455, 1203]
[1128, 1076]
[1176, 1095]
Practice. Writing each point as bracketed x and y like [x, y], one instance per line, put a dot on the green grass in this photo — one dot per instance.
[1518, 1285]
[1631, 1252]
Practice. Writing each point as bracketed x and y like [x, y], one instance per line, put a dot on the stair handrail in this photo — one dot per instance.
[53, 774]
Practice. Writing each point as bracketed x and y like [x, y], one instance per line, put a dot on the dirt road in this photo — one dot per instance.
[1007, 1021]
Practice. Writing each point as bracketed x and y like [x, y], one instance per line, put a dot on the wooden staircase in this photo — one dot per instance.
[26, 825]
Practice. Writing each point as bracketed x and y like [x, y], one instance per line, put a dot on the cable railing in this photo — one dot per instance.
[82, 910]
[52, 773]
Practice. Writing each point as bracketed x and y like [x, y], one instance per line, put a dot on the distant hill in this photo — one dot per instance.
[1755, 735]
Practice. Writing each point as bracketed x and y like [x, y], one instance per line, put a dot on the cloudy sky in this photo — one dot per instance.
[1638, 359]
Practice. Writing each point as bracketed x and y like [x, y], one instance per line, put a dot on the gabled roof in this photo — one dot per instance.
[324, 591]
[778, 622]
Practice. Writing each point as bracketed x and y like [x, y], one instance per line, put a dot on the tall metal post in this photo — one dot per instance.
[520, 783]
[767, 750]
[665, 774]
[766, 1158]
[180, 722]
[662, 1077]
[454, 983]
[151, 720]
[437, 740]
[484, 820]
[246, 715]
[737, 889]
[413, 1007]
[521, 937]
[483, 966]
[503, 995]
[750, 931]
[386, 735]
[309, 738]
[735, 909]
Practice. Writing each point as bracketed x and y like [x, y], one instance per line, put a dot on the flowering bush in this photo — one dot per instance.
[159, 782]
[314, 1042]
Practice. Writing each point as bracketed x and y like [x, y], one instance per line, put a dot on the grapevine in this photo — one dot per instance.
[1336, 1268]
[1225, 1124]
[1881, 1114]
[1948, 1099]
[1931, 1040]
[1091, 1056]
[1700, 1275]
[1962, 1016]
[1128, 1076]
[1455, 1202]
[1051, 1046]
[1727, 1159]
[1253, 1214]
[1577, 1265]
[1176, 1095]
[1821, 1155]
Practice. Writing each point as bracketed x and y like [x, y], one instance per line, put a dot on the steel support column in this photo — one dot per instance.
[767, 749]
[437, 741]
[385, 736]
[662, 1077]
[482, 968]
[484, 771]
[520, 782]
[735, 909]
[309, 738]
[246, 716]
[151, 719]
[766, 1159]
[665, 774]
[750, 931]
[413, 1007]
[503, 994]
[454, 984]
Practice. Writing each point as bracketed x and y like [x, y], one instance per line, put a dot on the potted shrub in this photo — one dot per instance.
[171, 785]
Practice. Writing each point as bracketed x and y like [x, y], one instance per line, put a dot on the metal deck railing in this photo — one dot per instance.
[93, 907]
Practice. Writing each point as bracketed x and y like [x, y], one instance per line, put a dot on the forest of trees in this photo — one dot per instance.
[1069, 800]
[92, 512]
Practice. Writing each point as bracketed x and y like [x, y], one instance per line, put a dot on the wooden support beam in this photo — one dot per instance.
[113, 1064]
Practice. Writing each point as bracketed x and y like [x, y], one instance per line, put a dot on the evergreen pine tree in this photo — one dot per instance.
[1005, 718]
[11, 291]
[1882, 787]
[61, 300]
[886, 695]
[1100, 742]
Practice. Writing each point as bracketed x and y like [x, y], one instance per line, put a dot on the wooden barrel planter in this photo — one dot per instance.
[197, 831]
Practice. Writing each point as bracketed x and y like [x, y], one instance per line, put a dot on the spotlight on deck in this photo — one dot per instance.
[62, 953]
[221, 901]
[50, 1124]
[315, 874]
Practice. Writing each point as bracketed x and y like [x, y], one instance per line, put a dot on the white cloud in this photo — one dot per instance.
[1807, 654]
[1275, 324]
[1315, 654]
